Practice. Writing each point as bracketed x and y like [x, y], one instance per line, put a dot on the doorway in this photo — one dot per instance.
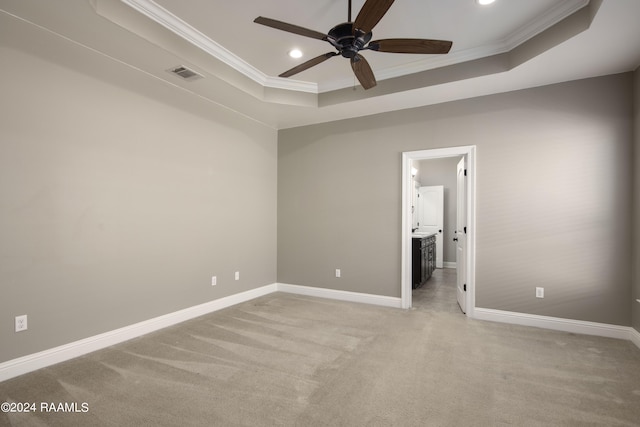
[468, 154]
[430, 213]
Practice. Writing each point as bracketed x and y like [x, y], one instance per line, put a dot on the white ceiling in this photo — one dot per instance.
[509, 45]
[476, 31]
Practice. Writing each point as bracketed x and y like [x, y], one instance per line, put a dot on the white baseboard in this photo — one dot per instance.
[31, 362]
[341, 295]
[449, 264]
[634, 336]
[558, 324]
[42, 359]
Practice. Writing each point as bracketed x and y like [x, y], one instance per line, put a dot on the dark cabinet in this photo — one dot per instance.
[423, 259]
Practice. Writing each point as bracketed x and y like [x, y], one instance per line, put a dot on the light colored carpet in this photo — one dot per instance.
[287, 360]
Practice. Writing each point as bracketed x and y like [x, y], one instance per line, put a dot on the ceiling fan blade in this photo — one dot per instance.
[310, 63]
[411, 46]
[363, 72]
[295, 29]
[370, 14]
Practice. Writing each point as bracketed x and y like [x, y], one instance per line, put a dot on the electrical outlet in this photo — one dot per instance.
[214, 280]
[539, 292]
[237, 275]
[21, 323]
[338, 272]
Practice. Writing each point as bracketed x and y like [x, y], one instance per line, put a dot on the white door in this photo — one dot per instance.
[461, 236]
[431, 216]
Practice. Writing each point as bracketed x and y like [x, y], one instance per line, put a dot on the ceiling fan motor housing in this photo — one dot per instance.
[342, 38]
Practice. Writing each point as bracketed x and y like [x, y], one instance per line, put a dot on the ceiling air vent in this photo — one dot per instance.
[185, 73]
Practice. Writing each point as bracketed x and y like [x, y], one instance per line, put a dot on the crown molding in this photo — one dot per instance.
[168, 20]
[508, 43]
[289, 84]
[158, 14]
[547, 20]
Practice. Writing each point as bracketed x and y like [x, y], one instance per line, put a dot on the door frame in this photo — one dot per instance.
[408, 157]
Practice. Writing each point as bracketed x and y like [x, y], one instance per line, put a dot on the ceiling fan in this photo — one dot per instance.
[351, 37]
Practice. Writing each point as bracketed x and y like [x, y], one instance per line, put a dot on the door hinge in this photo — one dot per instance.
[465, 230]
[465, 287]
[465, 172]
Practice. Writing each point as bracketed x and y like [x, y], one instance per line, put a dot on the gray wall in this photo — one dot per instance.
[117, 208]
[636, 198]
[443, 172]
[553, 190]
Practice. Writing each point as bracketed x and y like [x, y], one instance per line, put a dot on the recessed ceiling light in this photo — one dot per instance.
[295, 53]
[485, 2]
